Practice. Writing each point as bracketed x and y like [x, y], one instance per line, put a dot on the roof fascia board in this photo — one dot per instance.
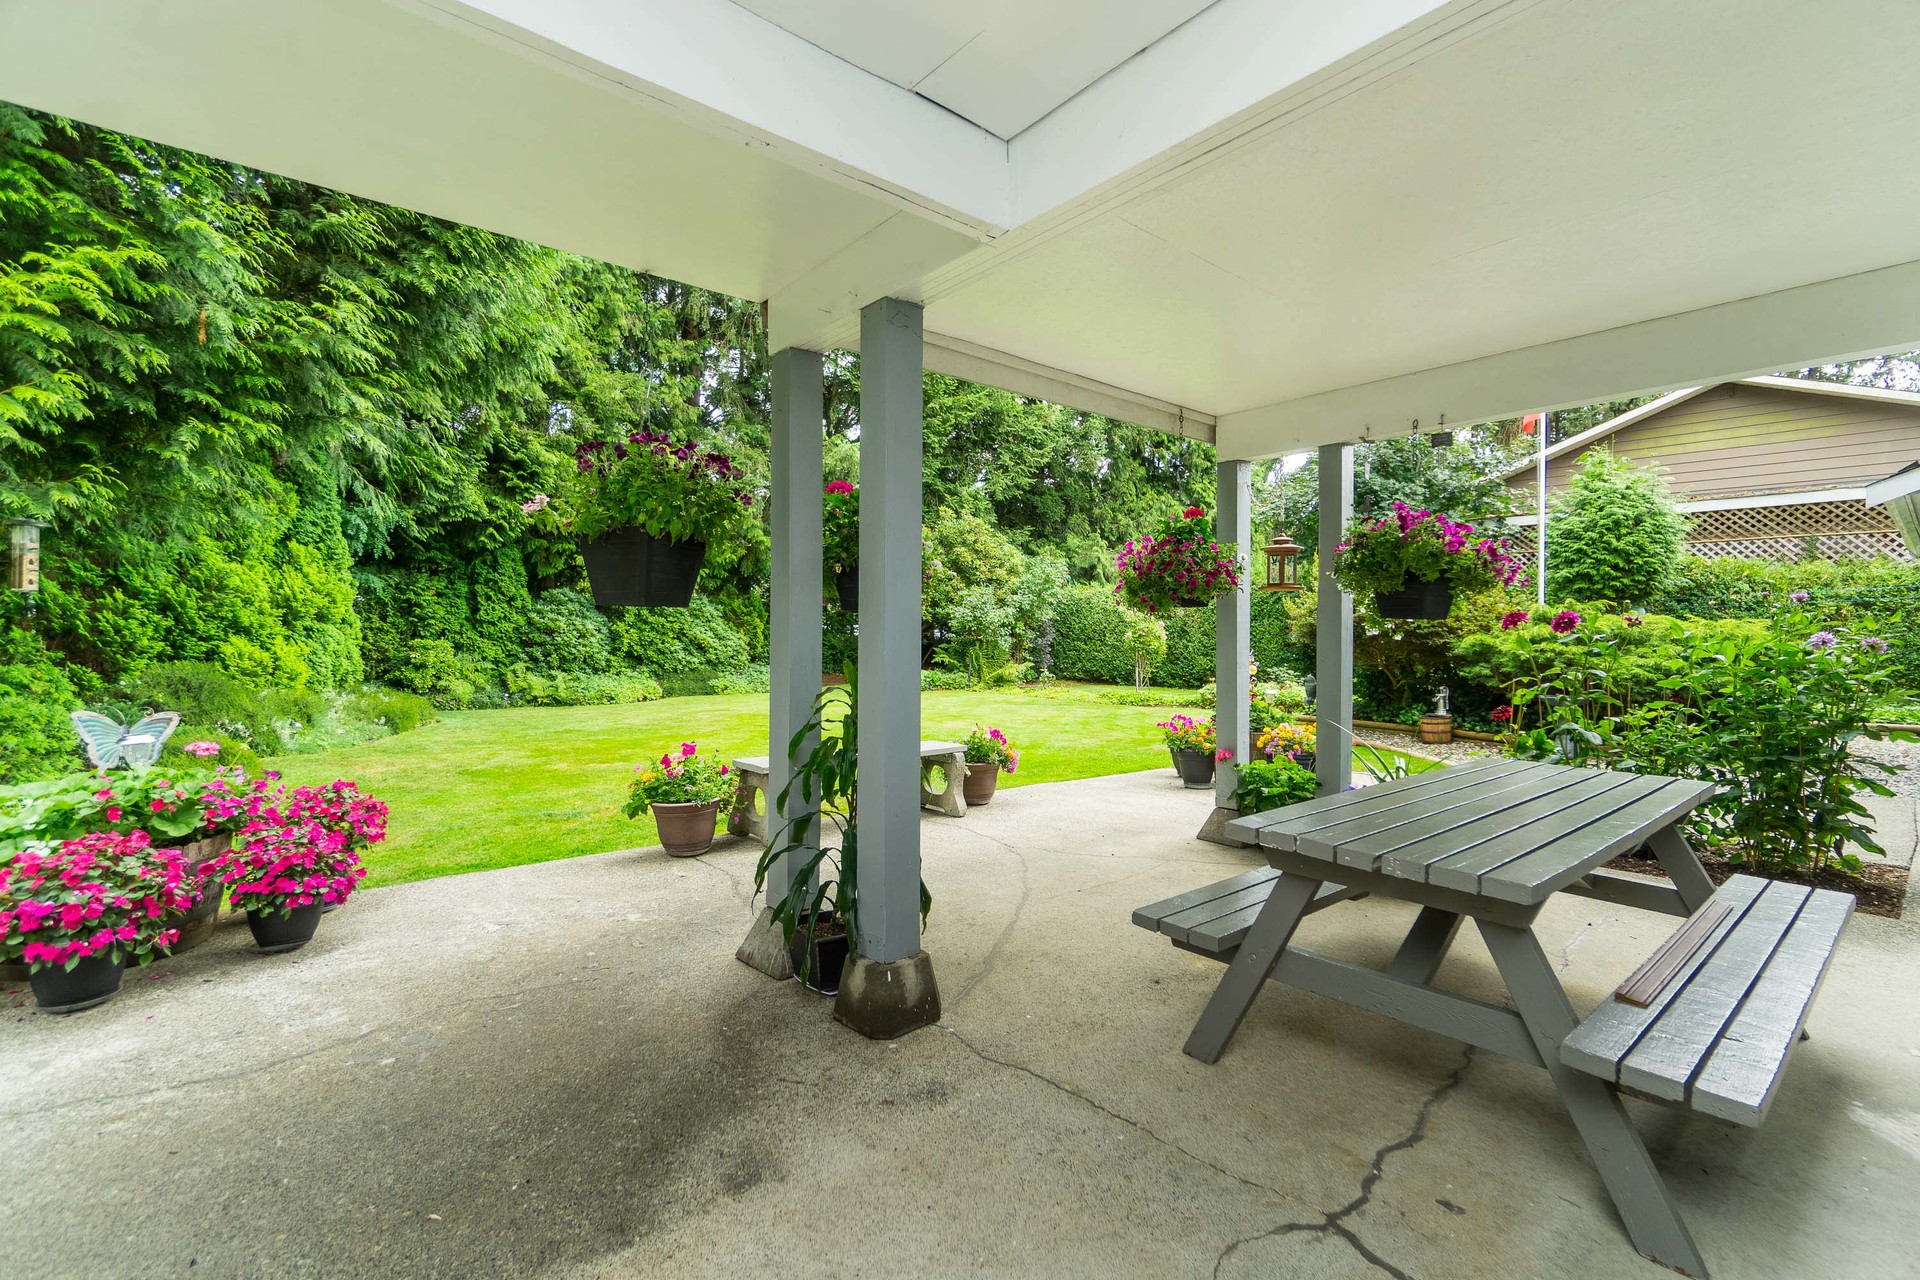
[717, 66]
[1845, 318]
[1845, 390]
[960, 359]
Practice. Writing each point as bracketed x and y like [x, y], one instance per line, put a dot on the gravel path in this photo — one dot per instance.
[1901, 753]
[1405, 744]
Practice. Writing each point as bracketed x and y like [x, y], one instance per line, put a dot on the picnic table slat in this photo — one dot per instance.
[1466, 822]
[1467, 868]
[1413, 859]
[1665, 1060]
[1180, 923]
[1254, 829]
[1740, 1076]
[1611, 1031]
[1150, 916]
[1229, 931]
[1542, 873]
[1368, 807]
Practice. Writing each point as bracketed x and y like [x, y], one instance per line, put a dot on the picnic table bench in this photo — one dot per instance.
[1706, 1024]
[751, 803]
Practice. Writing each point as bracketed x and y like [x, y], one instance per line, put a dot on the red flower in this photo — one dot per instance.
[1502, 714]
[1193, 513]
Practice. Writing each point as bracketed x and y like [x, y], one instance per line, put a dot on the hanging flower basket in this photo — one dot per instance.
[632, 567]
[840, 541]
[1413, 563]
[1178, 565]
[846, 584]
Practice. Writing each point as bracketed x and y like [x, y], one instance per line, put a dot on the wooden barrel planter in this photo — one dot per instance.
[1417, 601]
[1436, 729]
[631, 567]
[197, 922]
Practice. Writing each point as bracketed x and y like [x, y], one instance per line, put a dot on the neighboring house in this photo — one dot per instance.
[1765, 468]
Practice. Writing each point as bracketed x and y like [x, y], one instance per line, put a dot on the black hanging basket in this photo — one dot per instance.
[1417, 601]
[846, 582]
[632, 567]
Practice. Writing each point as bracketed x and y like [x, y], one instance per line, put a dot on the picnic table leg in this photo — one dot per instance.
[1639, 1192]
[1253, 964]
[1419, 957]
[1682, 866]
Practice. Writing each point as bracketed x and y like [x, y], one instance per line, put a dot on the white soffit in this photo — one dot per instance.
[1002, 64]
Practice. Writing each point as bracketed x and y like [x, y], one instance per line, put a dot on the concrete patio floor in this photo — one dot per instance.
[560, 1071]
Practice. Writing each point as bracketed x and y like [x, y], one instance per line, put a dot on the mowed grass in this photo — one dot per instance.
[483, 789]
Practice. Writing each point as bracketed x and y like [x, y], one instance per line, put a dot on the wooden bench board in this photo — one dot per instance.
[1717, 1037]
[1214, 918]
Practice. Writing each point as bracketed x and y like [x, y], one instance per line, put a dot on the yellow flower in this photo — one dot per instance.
[647, 776]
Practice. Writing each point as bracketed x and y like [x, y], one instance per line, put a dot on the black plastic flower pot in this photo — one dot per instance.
[826, 940]
[277, 931]
[93, 981]
[1195, 768]
[632, 567]
[1417, 601]
[846, 584]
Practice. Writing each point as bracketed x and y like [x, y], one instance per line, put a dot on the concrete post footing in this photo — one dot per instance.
[765, 947]
[885, 1001]
[1214, 829]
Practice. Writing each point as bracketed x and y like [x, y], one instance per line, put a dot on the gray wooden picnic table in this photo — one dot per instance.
[1714, 1013]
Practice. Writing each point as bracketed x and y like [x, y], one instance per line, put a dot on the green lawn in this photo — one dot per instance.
[481, 789]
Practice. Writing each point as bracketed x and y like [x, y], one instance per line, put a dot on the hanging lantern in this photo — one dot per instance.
[23, 540]
[1283, 564]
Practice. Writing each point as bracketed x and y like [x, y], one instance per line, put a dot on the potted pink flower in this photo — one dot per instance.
[683, 791]
[296, 855]
[840, 541]
[988, 755]
[75, 914]
[1190, 743]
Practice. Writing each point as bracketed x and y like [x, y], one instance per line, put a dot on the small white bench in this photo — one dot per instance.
[1717, 1027]
[751, 802]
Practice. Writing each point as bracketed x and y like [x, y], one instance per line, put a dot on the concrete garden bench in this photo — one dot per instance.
[751, 802]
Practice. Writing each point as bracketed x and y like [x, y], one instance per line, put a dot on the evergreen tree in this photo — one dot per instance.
[1613, 534]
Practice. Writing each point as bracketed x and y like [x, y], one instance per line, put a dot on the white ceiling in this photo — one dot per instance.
[1309, 221]
[1002, 64]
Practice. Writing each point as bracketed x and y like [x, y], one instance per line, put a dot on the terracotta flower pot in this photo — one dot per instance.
[979, 784]
[1195, 768]
[686, 829]
[93, 981]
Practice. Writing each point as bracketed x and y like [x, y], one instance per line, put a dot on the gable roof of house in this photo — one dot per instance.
[1807, 386]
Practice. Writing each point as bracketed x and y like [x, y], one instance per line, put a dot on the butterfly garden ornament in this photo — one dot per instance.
[110, 743]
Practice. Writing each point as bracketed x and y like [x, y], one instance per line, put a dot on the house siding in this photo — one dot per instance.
[1738, 441]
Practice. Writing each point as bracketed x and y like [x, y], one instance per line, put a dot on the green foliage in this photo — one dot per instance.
[1090, 626]
[678, 777]
[673, 488]
[394, 708]
[565, 632]
[946, 680]
[1465, 478]
[526, 687]
[209, 696]
[1190, 640]
[755, 677]
[1272, 784]
[1614, 534]
[233, 750]
[840, 526]
[1410, 545]
[1158, 697]
[961, 551]
[1766, 710]
[697, 638]
[36, 737]
[1146, 642]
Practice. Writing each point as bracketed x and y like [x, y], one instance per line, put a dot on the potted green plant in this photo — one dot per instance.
[1414, 562]
[683, 791]
[644, 509]
[819, 911]
[1190, 743]
[78, 912]
[1273, 784]
[988, 755]
[840, 542]
[1179, 564]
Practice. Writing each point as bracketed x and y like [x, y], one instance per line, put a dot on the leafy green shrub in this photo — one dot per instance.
[755, 677]
[36, 737]
[695, 638]
[232, 750]
[1158, 697]
[433, 670]
[395, 708]
[205, 694]
[1767, 710]
[1089, 636]
[1146, 641]
[1190, 657]
[1614, 533]
[526, 687]
[945, 680]
[564, 632]
[1273, 784]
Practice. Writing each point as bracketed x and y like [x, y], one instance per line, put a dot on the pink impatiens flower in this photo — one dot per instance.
[202, 749]
[839, 486]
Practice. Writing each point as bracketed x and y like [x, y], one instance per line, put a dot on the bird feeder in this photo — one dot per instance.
[23, 540]
[1283, 564]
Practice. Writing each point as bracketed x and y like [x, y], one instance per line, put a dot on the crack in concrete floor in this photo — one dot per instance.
[1334, 1223]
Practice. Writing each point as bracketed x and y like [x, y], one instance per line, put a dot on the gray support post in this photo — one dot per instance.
[1333, 628]
[793, 637]
[888, 986]
[1232, 646]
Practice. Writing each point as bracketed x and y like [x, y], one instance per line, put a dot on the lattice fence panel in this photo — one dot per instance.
[1817, 530]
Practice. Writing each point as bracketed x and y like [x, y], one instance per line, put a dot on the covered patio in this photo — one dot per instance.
[1273, 227]
[558, 1071]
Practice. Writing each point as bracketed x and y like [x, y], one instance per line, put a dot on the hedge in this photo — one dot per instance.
[1089, 640]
